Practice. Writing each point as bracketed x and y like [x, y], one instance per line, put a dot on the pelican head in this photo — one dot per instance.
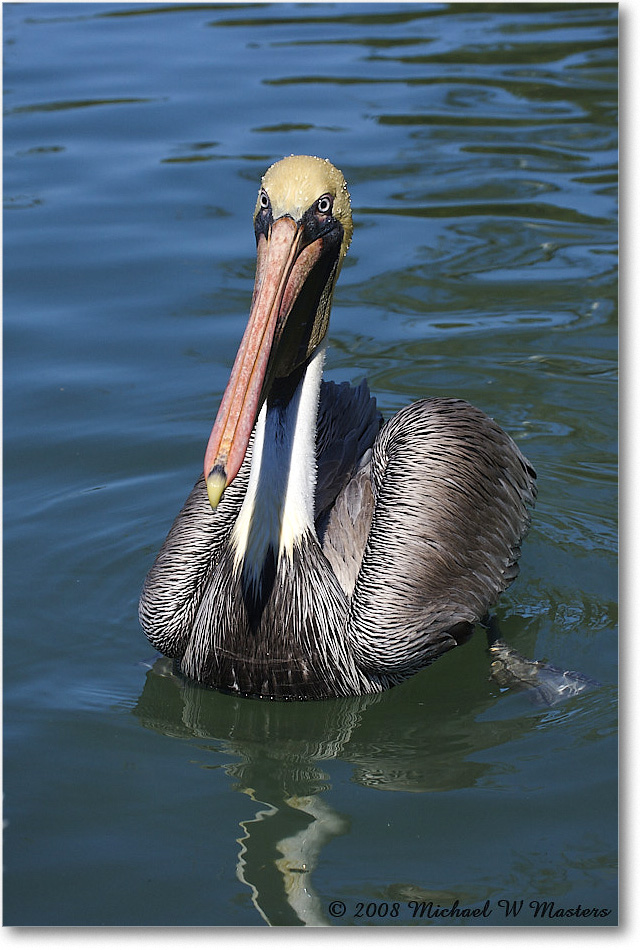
[303, 227]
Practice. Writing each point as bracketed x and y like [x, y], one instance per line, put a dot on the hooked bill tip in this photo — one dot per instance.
[216, 483]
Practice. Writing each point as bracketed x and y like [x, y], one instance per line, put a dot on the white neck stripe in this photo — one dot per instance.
[279, 504]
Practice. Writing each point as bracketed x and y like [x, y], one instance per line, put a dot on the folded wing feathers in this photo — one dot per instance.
[451, 491]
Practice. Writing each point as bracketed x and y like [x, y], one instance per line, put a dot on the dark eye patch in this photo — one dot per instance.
[318, 220]
[263, 218]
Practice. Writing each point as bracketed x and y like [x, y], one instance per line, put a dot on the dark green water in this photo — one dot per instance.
[479, 143]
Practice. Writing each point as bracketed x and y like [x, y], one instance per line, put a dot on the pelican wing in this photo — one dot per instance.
[348, 423]
[451, 495]
[348, 526]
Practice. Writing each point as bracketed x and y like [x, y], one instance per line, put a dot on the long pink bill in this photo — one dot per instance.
[282, 266]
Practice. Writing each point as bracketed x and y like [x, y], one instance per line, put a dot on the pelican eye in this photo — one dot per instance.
[263, 217]
[324, 204]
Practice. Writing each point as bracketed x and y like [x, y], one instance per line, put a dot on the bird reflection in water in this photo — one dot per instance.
[280, 756]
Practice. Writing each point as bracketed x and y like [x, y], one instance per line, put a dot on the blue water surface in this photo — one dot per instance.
[479, 144]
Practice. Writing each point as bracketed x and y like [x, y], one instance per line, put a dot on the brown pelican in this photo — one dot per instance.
[323, 552]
